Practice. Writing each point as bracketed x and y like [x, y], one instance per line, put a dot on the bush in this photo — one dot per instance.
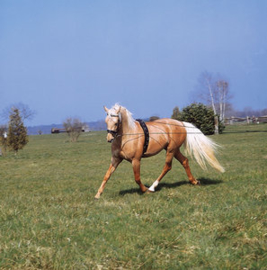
[201, 116]
[73, 127]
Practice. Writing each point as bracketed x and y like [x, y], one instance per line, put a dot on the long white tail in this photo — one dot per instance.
[202, 148]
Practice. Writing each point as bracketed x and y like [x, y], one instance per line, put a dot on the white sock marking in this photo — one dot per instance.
[153, 186]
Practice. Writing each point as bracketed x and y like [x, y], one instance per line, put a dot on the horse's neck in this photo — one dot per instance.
[127, 125]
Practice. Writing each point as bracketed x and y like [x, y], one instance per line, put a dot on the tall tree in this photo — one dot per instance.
[17, 133]
[214, 91]
[222, 89]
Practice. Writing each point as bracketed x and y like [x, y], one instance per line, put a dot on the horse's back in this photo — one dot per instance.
[168, 121]
[169, 132]
[167, 124]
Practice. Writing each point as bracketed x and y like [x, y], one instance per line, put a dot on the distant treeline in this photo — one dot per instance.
[101, 125]
[46, 129]
[248, 112]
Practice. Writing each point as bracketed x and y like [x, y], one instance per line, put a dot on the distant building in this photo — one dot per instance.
[85, 128]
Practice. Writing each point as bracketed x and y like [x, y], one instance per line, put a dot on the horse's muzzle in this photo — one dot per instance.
[110, 138]
[111, 135]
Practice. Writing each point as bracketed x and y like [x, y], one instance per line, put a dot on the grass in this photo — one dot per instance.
[50, 220]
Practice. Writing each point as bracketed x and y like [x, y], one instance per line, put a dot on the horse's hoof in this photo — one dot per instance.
[196, 183]
[149, 191]
[144, 190]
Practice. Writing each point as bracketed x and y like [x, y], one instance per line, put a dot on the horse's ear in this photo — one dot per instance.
[106, 109]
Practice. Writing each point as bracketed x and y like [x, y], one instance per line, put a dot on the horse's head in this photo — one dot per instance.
[113, 122]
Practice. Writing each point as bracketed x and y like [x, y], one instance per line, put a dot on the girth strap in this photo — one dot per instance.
[146, 132]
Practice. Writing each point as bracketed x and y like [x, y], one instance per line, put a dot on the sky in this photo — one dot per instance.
[66, 58]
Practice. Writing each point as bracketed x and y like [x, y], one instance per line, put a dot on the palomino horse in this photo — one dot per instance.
[128, 139]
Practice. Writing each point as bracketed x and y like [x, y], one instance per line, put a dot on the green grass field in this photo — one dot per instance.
[50, 220]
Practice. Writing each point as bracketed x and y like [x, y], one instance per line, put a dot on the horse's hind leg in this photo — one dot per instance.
[185, 163]
[167, 167]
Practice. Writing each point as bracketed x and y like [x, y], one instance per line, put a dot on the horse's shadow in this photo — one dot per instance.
[203, 182]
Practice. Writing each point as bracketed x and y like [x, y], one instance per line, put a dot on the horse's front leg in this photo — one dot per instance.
[136, 170]
[112, 167]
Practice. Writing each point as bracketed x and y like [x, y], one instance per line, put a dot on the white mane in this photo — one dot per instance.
[124, 113]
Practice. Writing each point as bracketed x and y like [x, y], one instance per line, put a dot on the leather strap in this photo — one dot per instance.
[146, 132]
